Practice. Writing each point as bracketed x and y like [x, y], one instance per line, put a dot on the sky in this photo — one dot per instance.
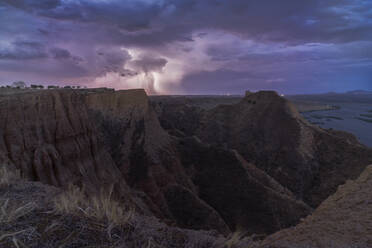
[189, 46]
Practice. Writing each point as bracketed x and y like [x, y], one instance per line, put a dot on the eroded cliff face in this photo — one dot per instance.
[199, 193]
[268, 132]
[99, 138]
[245, 196]
[49, 136]
[147, 157]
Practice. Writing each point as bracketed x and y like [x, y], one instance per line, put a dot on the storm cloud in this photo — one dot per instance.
[23, 50]
[183, 45]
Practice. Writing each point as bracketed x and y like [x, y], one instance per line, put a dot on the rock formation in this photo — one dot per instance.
[147, 158]
[343, 220]
[244, 170]
[49, 137]
[246, 197]
[268, 131]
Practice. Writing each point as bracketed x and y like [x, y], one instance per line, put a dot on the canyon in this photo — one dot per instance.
[254, 166]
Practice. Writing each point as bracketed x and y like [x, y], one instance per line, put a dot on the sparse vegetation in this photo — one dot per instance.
[43, 224]
[100, 207]
[8, 175]
[233, 240]
[19, 84]
[10, 212]
[240, 239]
[36, 86]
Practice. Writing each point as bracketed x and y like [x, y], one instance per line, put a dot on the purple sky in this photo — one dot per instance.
[189, 46]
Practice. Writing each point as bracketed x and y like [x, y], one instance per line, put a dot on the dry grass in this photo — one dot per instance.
[233, 240]
[10, 213]
[240, 238]
[7, 175]
[100, 207]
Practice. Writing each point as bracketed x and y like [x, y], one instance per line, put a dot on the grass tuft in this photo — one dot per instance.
[100, 207]
[233, 240]
[7, 175]
[9, 213]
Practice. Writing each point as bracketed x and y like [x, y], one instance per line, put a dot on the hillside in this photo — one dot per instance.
[255, 166]
[343, 220]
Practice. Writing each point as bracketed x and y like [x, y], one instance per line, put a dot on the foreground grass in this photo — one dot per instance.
[34, 215]
[100, 207]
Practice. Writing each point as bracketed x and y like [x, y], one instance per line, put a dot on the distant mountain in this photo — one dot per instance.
[359, 92]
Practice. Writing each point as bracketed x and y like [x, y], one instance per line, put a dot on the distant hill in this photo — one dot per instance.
[359, 92]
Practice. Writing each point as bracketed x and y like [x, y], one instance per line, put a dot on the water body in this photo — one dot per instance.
[355, 118]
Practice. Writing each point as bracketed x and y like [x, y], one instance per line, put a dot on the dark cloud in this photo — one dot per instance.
[23, 50]
[34, 4]
[111, 60]
[65, 55]
[128, 73]
[60, 53]
[288, 20]
[43, 31]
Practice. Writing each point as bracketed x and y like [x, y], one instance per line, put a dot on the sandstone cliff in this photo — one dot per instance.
[49, 136]
[100, 138]
[154, 162]
[147, 158]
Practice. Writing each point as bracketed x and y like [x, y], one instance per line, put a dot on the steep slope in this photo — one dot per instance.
[147, 157]
[98, 138]
[267, 130]
[343, 220]
[245, 196]
[177, 115]
[150, 160]
[49, 137]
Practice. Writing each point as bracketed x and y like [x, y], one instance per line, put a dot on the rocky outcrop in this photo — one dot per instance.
[343, 220]
[48, 135]
[147, 158]
[97, 138]
[268, 131]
